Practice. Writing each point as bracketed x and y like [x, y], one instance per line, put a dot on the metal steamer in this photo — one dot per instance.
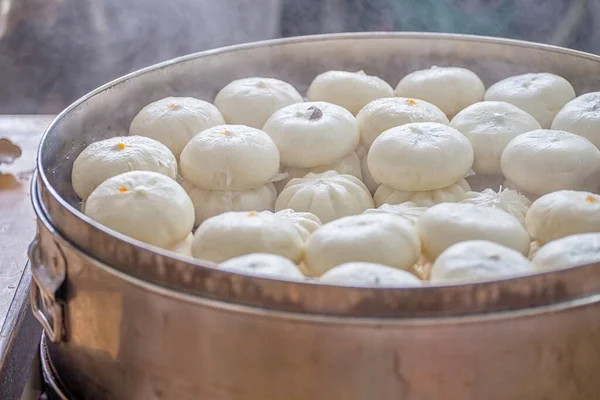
[125, 320]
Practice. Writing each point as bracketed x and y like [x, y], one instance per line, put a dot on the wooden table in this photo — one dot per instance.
[19, 332]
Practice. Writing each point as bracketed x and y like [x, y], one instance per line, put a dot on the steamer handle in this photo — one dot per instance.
[43, 300]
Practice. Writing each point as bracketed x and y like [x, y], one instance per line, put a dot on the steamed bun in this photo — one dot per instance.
[420, 156]
[173, 121]
[445, 224]
[234, 234]
[544, 161]
[375, 238]
[264, 265]
[478, 260]
[313, 134]
[563, 213]
[329, 196]
[144, 205]
[351, 90]
[369, 275]
[251, 101]
[230, 157]
[567, 252]
[110, 157]
[449, 88]
[541, 95]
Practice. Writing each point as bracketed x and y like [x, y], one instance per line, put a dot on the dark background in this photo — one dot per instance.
[54, 51]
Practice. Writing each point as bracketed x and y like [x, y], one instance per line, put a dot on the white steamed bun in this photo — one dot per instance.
[581, 116]
[230, 157]
[144, 205]
[544, 161]
[382, 114]
[251, 101]
[369, 275]
[234, 234]
[329, 196]
[563, 213]
[478, 260]
[489, 126]
[208, 203]
[541, 95]
[567, 252]
[445, 224]
[426, 198]
[173, 121]
[420, 156]
[106, 158]
[449, 88]
[263, 265]
[313, 134]
[351, 90]
[376, 238]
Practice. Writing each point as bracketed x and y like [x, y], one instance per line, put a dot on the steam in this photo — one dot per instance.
[52, 55]
[54, 51]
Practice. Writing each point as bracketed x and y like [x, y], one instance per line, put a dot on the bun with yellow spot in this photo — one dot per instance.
[235, 234]
[110, 157]
[144, 205]
[173, 121]
[383, 114]
[563, 213]
[449, 88]
[230, 157]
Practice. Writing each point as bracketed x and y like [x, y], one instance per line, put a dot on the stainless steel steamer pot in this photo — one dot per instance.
[127, 321]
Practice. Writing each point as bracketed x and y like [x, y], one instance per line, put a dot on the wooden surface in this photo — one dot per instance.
[17, 220]
[19, 330]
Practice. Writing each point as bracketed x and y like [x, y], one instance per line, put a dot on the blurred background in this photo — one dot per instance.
[54, 51]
